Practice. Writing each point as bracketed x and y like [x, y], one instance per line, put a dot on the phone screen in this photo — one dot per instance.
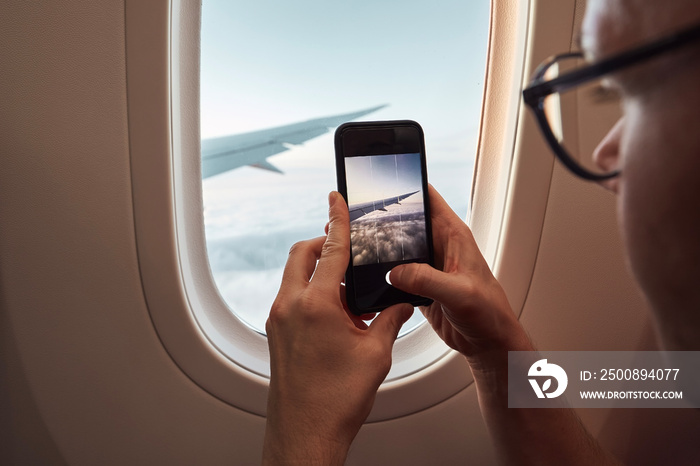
[382, 165]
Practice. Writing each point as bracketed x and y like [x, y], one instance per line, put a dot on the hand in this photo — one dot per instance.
[471, 314]
[470, 311]
[326, 364]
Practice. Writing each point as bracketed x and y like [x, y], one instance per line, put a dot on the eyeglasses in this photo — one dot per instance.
[547, 95]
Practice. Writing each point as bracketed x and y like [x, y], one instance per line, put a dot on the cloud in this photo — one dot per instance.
[251, 252]
[250, 294]
[388, 238]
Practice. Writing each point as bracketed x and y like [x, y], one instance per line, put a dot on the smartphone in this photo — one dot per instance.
[382, 176]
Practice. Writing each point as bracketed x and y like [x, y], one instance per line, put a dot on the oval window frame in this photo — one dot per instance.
[211, 346]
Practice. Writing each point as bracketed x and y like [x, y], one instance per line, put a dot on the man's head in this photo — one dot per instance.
[657, 147]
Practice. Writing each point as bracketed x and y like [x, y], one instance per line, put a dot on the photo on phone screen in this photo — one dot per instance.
[381, 174]
[387, 214]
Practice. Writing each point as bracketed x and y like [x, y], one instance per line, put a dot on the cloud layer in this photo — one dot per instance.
[390, 236]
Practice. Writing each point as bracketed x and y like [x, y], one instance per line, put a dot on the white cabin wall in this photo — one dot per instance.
[88, 381]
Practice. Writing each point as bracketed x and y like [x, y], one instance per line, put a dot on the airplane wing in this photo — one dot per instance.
[228, 152]
[360, 210]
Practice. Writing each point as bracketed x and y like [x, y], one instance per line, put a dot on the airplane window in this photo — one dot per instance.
[277, 78]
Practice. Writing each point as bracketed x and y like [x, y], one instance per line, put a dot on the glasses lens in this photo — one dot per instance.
[581, 117]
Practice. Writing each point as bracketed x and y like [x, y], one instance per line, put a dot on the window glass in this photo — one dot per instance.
[275, 63]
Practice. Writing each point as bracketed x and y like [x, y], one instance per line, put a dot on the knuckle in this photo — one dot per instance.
[303, 308]
[337, 214]
[278, 313]
[333, 247]
[297, 247]
[419, 277]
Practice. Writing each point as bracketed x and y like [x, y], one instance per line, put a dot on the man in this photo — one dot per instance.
[326, 366]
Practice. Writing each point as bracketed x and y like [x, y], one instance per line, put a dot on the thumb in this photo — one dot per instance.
[421, 279]
[388, 323]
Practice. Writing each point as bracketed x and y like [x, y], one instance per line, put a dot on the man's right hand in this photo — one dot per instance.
[472, 315]
[470, 311]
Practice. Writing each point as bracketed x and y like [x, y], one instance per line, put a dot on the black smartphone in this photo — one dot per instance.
[382, 176]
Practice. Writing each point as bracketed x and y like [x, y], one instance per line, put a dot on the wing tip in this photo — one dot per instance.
[265, 165]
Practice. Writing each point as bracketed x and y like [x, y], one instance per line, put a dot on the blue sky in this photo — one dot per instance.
[372, 178]
[269, 63]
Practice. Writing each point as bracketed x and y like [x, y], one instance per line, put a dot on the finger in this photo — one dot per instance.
[335, 253]
[301, 262]
[445, 224]
[424, 280]
[441, 213]
[438, 206]
[325, 229]
[388, 323]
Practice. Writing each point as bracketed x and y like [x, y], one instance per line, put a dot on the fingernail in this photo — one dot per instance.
[331, 199]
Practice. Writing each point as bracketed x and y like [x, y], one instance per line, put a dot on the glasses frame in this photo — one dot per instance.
[538, 89]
